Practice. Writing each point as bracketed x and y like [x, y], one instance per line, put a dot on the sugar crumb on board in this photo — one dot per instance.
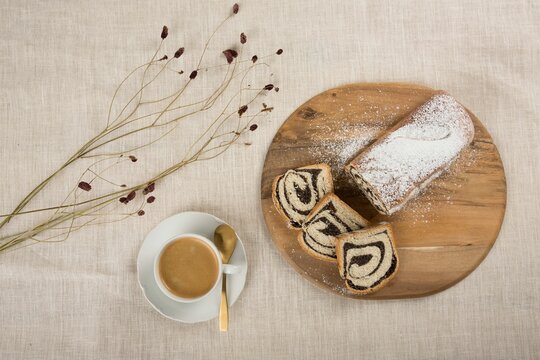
[423, 208]
[339, 288]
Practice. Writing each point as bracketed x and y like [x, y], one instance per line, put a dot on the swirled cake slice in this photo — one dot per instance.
[330, 218]
[419, 148]
[367, 258]
[296, 192]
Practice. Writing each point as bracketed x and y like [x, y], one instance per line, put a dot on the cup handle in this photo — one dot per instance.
[230, 269]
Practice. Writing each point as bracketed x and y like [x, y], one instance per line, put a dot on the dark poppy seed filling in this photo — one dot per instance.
[329, 219]
[367, 258]
[297, 191]
[368, 191]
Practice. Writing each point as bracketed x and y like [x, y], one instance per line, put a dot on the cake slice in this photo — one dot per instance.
[296, 192]
[418, 149]
[331, 217]
[367, 258]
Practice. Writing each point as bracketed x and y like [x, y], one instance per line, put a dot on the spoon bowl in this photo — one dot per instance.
[225, 241]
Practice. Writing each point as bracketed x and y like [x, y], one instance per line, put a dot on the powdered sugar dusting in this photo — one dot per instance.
[424, 145]
[337, 153]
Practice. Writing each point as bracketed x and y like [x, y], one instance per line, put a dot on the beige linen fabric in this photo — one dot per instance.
[59, 64]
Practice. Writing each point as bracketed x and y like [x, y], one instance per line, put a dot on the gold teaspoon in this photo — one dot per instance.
[225, 241]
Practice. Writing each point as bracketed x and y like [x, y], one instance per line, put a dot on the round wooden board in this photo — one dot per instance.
[441, 236]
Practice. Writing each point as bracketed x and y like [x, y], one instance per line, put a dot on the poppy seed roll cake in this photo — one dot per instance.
[418, 149]
[296, 192]
[367, 258]
[330, 218]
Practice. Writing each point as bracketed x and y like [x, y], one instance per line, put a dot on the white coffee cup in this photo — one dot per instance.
[222, 268]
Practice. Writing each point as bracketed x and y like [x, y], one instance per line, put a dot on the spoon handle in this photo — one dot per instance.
[224, 307]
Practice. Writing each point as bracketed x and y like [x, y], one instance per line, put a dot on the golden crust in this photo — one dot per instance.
[277, 205]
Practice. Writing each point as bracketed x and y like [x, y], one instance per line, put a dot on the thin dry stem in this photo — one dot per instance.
[213, 141]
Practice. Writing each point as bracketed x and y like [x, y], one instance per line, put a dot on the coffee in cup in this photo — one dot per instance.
[188, 267]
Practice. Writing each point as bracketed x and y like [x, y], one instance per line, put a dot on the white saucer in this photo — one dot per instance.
[206, 308]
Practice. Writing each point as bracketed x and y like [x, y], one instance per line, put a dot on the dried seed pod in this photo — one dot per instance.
[149, 188]
[85, 186]
[131, 196]
[179, 52]
[230, 55]
[242, 110]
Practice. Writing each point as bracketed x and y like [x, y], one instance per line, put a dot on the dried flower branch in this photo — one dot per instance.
[96, 198]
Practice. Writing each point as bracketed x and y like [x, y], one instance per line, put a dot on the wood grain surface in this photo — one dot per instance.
[441, 236]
